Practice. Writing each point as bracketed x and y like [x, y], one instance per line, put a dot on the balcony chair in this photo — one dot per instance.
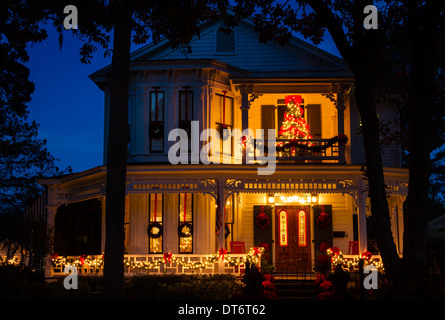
[237, 247]
[353, 247]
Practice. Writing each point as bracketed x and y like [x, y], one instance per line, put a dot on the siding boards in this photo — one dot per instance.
[249, 53]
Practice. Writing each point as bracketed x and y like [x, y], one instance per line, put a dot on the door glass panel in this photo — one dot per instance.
[283, 228]
[302, 229]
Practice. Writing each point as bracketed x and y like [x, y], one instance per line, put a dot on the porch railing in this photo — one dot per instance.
[300, 150]
[140, 264]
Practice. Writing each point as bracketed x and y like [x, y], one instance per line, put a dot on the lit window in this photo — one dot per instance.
[185, 227]
[155, 225]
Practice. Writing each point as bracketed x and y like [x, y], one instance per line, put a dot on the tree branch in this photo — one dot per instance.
[334, 27]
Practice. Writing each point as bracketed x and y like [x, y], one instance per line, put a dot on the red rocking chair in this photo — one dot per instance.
[237, 247]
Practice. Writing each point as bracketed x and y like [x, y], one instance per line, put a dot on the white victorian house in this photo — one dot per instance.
[314, 197]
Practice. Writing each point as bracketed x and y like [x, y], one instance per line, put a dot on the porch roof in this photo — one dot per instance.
[236, 178]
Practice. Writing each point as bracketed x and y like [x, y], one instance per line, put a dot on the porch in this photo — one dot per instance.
[186, 210]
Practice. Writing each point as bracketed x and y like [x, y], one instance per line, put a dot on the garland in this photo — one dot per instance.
[155, 230]
[337, 260]
[185, 229]
[253, 257]
[340, 139]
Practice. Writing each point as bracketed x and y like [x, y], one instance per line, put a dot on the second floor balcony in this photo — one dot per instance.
[238, 127]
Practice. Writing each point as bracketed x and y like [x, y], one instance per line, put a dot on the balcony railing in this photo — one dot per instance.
[300, 150]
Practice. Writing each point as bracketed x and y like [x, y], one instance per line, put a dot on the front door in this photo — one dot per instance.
[293, 238]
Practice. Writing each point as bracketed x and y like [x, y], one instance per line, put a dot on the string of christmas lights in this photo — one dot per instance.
[253, 257]
[348, 264]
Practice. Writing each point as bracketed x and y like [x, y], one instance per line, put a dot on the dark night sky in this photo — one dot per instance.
[67, 104]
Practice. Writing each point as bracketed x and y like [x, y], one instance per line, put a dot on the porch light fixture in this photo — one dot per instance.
[314, 198]
[301, 199]
[271, 198]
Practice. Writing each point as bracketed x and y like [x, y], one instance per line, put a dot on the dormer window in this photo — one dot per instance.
[225, 42]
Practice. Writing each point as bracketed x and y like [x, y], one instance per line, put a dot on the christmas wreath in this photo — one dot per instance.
[262, 220]
[324, 247]
[323, 220]
[156, 130]
[227, 231]
[185, 230]
[154, 230]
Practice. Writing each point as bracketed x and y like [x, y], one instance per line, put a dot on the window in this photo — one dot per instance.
[156, 126]
[185, 105]
[155, 225]
[226, 106]
[225, 41]
[186, 111]
[185, 223]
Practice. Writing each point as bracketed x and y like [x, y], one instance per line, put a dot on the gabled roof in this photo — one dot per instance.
[251, 60]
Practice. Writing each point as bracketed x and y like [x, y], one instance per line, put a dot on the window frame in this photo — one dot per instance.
[235, 41]
[161, 122]
[187, 221]
[149, 221]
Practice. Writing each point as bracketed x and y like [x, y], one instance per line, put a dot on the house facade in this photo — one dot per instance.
[208, 167]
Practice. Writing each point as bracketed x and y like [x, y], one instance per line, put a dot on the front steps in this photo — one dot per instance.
[296, 289]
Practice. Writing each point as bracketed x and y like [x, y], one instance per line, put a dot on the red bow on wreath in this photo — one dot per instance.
[167, 256]
[367, 255]
[257, 251]
[335, 251]
[222, 252]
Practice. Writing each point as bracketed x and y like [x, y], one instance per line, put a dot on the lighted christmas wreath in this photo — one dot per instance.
[185, 229]
[262, 220]
[154, 230]
[323, 220]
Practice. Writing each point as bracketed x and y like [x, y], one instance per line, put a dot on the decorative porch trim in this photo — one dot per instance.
[291, 185]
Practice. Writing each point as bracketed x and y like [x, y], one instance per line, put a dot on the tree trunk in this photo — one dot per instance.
[423, 34]
[374, 169]
[117, 155]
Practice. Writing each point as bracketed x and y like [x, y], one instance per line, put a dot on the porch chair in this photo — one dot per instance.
[353, 247]
[237, 247]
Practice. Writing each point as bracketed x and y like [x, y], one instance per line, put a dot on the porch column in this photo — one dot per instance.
[361, 205]
[340, 106]
[245, 106]
[221, 205]
[56, 197]
[51, 222]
